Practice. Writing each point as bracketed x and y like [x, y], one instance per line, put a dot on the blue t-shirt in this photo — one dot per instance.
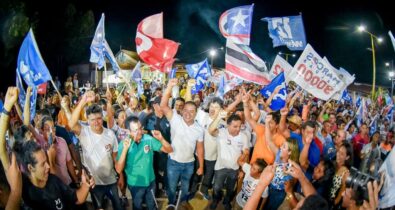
[280, 177]
[314, 152]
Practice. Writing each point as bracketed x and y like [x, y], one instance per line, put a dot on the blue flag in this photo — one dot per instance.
[278, 101]
[110, 56]
[287, 31]
[236, 24]
[346, 97]
[203, 72]
[97, 46]
[100, 48]
[221, 87]
[136, 76]
[358, 101]
[172, 73]
[30, 64]
[22, 97]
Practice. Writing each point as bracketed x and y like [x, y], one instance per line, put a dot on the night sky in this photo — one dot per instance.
[330, 28]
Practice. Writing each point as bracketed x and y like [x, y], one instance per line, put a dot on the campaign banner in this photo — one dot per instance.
[280, 65]
[315, 75]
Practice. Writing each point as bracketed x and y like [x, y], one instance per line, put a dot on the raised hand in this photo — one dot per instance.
[284, 111]
[65, 103]
[11, 97]
[88, 97]
[157, 134]
[268, 119]
[294, 170]
[222, 114]
[172, 82]
[267, 175]
[108, 95]
[191, 82]
[14, 176]
[126, 143]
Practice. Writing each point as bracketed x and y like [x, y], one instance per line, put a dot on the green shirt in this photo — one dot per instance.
[139, 161]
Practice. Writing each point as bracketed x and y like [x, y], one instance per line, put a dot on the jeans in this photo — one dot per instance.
[221, 176]
[275, 199]
[111, 191]
[143, 193]
[175, 172]
[207, 177]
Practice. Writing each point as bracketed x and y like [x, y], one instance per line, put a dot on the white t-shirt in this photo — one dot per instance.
[229, 149]
[210, 142]
[184, 139]
[97, 152]
[248, 187]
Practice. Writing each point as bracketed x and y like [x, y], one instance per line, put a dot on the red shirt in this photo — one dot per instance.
[358, 142]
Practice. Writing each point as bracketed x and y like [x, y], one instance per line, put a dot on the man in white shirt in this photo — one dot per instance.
[99, 146]
[186, 136]
[231, 143]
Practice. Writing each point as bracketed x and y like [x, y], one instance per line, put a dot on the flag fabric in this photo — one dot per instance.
[315, 75]
[172, 73]
[392, 39]
[110, 56]
[236, 24]
[98, 45]
[388, 99]
[278, 101]
[30, 64]
[221, 87]
[151, 47]
[346, 97]
[22, 96]
[203, 72]
[42, 89]
[358, 101]
[242, 62]
[136, 77]
[360, 112]
[387, 193]
[280, 65]
[101, 49]
[287, 31]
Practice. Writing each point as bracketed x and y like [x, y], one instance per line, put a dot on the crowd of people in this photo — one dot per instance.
[231, 149]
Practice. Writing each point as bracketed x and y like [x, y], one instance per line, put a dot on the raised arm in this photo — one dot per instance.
[164, 104]
[255, 110]
[10, 99]
[110, 111]
[303, 158]
[166, 147]
[247, 113]
[269, 100]
[188, 93]
[213, 128]
[283, 123]
[26, 109]
[296, 172]
[268, 135]
[75, 115]
[264, 181]
[233, 105]
[120, 163]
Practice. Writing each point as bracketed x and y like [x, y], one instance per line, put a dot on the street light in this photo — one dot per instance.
[391, 74]
[286, 55]
[373, 37]
[213, 52]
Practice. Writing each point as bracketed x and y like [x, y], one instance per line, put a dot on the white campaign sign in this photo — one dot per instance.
[280, 65]
[315, 75]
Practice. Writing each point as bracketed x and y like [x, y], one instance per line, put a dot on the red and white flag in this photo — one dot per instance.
[42, 88]
[242, 62]
[152, 48]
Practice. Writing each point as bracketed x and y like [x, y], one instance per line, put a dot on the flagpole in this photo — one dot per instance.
[56, 88]
[96, 76]
[105, 74]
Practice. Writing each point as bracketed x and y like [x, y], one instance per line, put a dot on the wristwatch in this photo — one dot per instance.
[289, 197]
[5, 112]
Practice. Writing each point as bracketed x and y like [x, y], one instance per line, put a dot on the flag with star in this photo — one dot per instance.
[235, 23]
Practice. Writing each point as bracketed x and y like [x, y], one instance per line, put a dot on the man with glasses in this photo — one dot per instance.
[135, 155]
[99, 146]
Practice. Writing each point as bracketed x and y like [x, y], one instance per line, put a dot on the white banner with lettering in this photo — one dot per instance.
[280, 65]
[315, 75]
